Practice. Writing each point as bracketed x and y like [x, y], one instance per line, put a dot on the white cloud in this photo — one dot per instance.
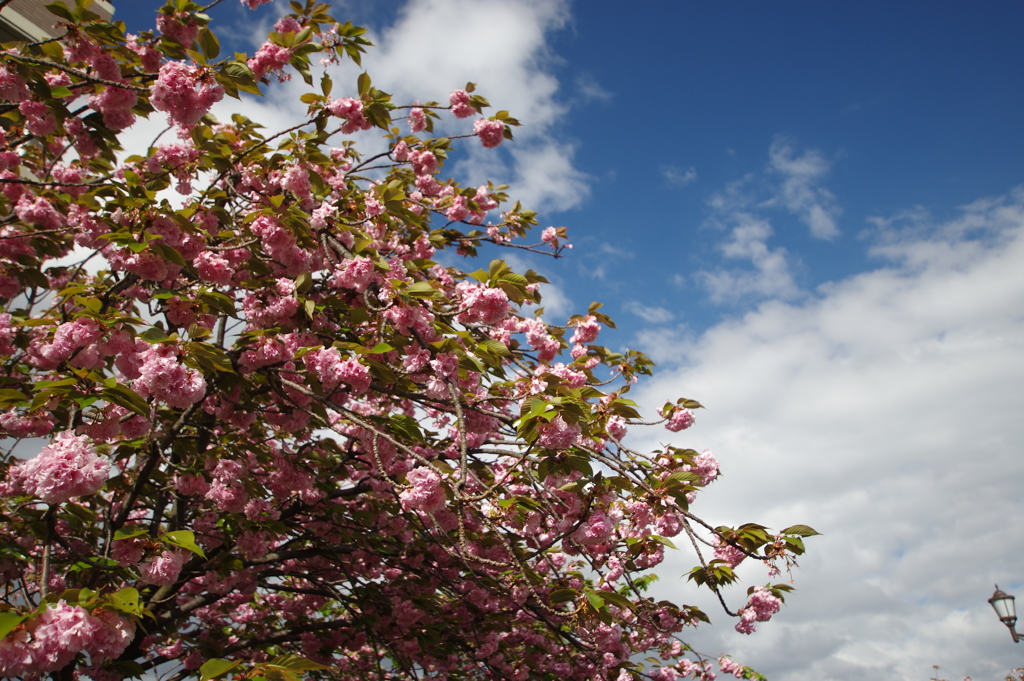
[814, 205]
[679, 177]
[545, 178]
[437, 46]
[885, 412]
[771, 275]
[652, 314]
[589, 90]
[434, 47]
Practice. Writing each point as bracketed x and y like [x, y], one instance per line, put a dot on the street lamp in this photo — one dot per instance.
[1003, 604]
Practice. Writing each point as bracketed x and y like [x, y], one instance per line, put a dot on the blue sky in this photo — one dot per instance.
[811, 215]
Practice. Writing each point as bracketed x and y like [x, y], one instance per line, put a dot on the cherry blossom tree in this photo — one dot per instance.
[280, 437]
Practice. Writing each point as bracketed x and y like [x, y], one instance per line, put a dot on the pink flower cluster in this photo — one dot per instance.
[482, 304]
[52, 640]
[352, 111]
[270, 58]
[163, 568]
[730, 666]
[557, 434]
[491, 133]
[253, 4]
[727, 553]
[546, 345]
[33, 424]
[426, 493]
[705, 465]
[185, 93]
[680, 419]
[417, 120]
[587, 330]
[760, 607]
[356, 273]
[66, 468]
[461, 107]
[38, 118]
[332, 370]
[179, 26]
[39, 212]
[148, 55]
[113, 102]
[157, 372]
[12, 86]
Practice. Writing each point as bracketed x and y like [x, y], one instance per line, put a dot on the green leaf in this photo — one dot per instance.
[9, 620]
[124, 396]
[209, 43]
[60, 10]
[168, 252]
[185, 539]
[562, 596]
[129, 531]
[211, 357]
[50, 385]
[679, 476]
[216, 668]
[127, 601]
[801, 531]
[595, 600]
[60, 91]
[297, 663]
[496, 347]
[663, 540]
[421, 289]
[618, 599]
[304, 282]
[154, 335]
[364, 83]
[7, 396]
[402, 424]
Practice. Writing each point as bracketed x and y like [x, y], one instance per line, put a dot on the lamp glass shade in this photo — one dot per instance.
[1003, 604]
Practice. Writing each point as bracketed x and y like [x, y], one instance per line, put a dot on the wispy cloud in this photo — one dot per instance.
[502, 46]
[771, 275]
[589, 90]
[652, 314]
[801, 192]
[884, 411]
[745, 209]
[679, 177]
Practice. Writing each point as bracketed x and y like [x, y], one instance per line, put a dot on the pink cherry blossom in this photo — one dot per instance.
[680, 419]
[332, 370]
[167, 380]
[482, 304]
[491, 133]
[557, 434]
[761, 605]
[587, 330]
[179, 27]
[270, 58]
[184, 92]
[66, 468]
[460, 104]
[352, 111]
[426, 493]
[33, 424]
[163, 568]
[417, 120]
